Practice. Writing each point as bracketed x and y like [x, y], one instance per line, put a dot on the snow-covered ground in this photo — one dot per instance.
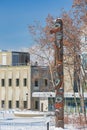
[10, 122]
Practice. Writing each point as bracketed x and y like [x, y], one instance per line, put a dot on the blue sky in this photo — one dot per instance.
[17, 15]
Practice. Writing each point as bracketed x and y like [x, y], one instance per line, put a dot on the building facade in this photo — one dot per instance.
[26, 86]
[15, 80]
[42, 89]
[14, 58]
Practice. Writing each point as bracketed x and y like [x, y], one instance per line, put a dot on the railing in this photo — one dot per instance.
[18, 64]
[30, 123]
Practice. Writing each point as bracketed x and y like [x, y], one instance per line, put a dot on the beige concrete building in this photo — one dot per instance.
[13, 58]
[19, 81]
[15, 80]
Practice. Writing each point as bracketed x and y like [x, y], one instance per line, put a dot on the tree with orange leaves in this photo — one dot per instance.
[73, 23]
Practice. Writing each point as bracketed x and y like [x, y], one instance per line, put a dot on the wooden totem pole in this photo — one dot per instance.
[57, 30]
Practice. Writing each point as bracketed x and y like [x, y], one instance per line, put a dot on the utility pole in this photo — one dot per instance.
[57, 30]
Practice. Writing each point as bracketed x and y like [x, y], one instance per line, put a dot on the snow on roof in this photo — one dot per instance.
[71, 95]
[43, 94]
[52, 94]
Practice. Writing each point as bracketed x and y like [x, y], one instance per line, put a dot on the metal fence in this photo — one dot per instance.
[13, 123]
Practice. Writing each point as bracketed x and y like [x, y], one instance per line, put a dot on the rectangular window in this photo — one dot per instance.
[10, 104]
[10, 82]
[36, 83]
[85, 38]
[25, 82]
[36, 104]
[17, 104]
[2, 103]
[4, 59]
[15, 59]
[3, 82]
[46, 82]
[17, 82]
[25, 104]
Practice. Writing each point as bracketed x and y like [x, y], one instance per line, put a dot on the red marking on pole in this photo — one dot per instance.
[59, 105]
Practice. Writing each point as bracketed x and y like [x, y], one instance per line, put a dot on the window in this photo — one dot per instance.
[25, 82]
[10, 104]
[15, 59]
[68, 103]
[10, 82]
[4, 59]
[36, 104]
[85, 38]
[2, 103]
[36, 83]
[46, 82]
[25, 104]
[3, 82]
[17, 82]
[17, 104]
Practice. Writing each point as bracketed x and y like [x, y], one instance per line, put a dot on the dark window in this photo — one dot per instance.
[85, 38]
[75, 81]
[36, 104]
[25, 104]
[36, 83]
[17, 82]
[10, 82]
[86, 104]
[17, 104]
[46, 82]
[68, 103]
[75, 86]
[10, 104]
[25, 82]
[15, 59]
[2, 103]
[3, 82]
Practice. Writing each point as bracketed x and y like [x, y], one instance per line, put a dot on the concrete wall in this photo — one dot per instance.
[13, 92]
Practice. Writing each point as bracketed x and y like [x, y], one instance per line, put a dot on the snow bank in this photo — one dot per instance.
[9, 122]
[69, 127]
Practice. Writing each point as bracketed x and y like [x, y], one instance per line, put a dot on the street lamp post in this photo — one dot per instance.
[57, 30]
